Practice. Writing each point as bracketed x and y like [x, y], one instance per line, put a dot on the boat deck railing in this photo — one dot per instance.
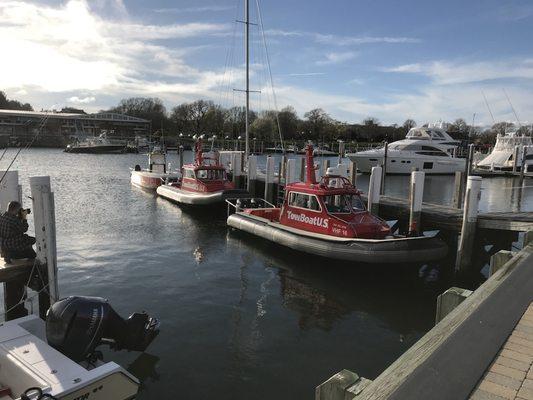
[238, 204]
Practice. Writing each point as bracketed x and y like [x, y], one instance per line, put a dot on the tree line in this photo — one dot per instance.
[206, 117]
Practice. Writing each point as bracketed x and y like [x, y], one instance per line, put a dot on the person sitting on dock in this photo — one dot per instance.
[15, 243]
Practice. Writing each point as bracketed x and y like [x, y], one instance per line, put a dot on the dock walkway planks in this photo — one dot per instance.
[444, 217]
[510, 376]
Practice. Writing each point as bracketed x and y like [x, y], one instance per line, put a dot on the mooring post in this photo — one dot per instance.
[449, 300]
[283, 167]
[325, 166]
[470, 159]
[353, 172]
[374, 187]
[290, 172]
[498, 260]
[523, 163]
[458, 189]
[341, 151]
[252, 175]
[384, 172]
[269, 180]
[236, 164]
[302, 169]
[45, 236]
[180, 154]
[10, 190]
[468, 230]
[515, 158]
[415, 200]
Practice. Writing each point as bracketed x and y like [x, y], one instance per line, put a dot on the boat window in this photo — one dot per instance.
[357, 203]
[341, 203]
[210, 174]
[189, 173]
[432, 151]
[303, 200]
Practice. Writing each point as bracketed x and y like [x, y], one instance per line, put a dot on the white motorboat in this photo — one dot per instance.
[97, 145]
[428, 149]
[156, 173]
[57, 359]
[502, 156]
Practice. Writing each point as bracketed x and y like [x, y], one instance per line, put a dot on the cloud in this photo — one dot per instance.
[448, 72]
[307, 74]
[337, 58]
[69, 48]
[211, 8]
[82, 100]
[338, 40]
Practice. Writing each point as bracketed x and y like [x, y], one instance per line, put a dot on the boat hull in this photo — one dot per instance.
[148, 180]
[386, 251]
[111, 149]
[403, 165]
[180, 196]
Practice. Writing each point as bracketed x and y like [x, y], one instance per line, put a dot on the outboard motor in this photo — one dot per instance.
[75, 326]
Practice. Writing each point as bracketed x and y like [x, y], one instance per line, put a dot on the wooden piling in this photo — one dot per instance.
[290, 172]
[465, 249]
[458, 189]
[498, 260]
[302, 169]
[449, 300]
[515, 158]
[384, 172]
[415, 199]
[523, 163]
[341, 151]
[236, 170]
[325, 166]
[45, 236]
[470, 159]
[374, 190]
[269, 180]
[180, 155]
[353, 172]
[252, 175]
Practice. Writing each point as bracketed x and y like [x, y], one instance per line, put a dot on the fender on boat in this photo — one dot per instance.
[372, 251]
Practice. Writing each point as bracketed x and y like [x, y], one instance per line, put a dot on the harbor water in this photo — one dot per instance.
[240, 318]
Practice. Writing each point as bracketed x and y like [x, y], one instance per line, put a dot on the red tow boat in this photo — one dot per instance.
[328, 218]
[203, 182]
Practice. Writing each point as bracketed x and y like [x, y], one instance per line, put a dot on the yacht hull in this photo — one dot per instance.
[177, 195]
[403, 165]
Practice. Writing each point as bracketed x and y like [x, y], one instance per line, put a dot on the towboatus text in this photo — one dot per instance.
[317, 221]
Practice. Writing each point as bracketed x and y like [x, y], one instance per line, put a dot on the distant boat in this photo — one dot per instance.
[97, 145]
[502, 156]
[428, 149]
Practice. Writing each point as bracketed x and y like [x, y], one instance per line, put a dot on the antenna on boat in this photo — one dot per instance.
[512, 108]
[488, 107]
[247, 53]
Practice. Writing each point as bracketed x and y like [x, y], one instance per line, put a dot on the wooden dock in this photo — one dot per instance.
[461, 356]
[449, 218]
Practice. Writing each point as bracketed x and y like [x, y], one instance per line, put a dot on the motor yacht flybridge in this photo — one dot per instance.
[203, 182]
[328, 218]
[429, 149]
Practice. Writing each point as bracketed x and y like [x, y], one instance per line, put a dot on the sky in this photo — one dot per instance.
[386, 59]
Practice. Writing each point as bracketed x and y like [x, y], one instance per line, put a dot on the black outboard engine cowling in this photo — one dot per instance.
[75, 326]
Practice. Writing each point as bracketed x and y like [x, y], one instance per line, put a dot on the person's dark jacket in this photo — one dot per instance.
[12, 233]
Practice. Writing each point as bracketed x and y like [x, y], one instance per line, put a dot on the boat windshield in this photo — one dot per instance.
[210, 174]
[342, 203]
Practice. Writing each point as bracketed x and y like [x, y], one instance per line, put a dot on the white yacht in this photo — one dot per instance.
[502, 156]
[430, 149]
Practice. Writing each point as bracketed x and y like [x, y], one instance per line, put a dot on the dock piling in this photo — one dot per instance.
[302, 169]
[415, 199]
[465, 248]
[374, 190]
[523, 163]
[325, 166]
[458, 189]
[180, 154]
[515, 158]
[251, 184]
[384, 172]
[353, 173]
[449, 300]
[45, 236]
[290, 171]
[341, 151]
[498, 260]
[269, 180]
[236, 167]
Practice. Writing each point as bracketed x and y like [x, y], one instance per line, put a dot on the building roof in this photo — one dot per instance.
[103, 116]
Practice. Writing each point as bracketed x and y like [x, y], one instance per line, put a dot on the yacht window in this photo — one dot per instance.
[357, 203]
[303, 200]
[210, 174]
[428, 165]
[432, 151]
[338, 204]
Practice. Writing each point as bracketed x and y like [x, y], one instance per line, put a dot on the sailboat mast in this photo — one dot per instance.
[247, 56]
